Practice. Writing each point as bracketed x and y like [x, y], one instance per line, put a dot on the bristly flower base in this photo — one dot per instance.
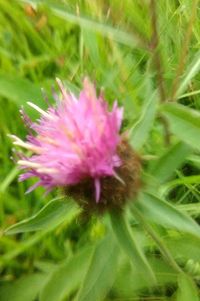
[114, 193]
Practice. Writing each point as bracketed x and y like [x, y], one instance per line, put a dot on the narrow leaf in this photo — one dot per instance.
[128, 283]
[50, 216]
[192, 70]
[186, 289]
[194, 160]
[66, 277]
[181, 181]
[142, 127]
[19, 90]
[101, 272]
[163, 213]
[166, 165]
[184, 123]
[187, 252]
[130, 247]
[105, 30]
[24, 289]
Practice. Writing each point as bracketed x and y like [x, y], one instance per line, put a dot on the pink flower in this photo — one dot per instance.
[73, 141]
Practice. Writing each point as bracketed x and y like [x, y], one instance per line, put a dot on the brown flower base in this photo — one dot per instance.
[114, 193]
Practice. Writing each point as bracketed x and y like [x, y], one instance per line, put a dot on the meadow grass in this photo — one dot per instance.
[143, 59]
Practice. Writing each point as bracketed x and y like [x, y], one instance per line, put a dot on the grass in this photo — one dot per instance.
[138, 53]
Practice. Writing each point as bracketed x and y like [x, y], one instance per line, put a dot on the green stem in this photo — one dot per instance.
[163, 249]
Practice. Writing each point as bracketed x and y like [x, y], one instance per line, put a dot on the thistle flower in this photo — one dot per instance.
[76, 145]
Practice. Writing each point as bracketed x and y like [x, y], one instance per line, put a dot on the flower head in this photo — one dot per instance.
[73, 141]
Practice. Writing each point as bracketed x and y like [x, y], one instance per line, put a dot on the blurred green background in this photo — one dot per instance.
[142, 56]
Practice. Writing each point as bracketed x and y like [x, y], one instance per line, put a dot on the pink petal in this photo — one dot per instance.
[77, 138]
[97, 189]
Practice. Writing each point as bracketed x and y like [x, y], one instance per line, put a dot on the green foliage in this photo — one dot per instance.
[50, 216]
[66, 278]
[24, 289]
[141, 129]
[162, 213]
[157, 236]
[165, 166]
[128, 244]
[101, 271]
[187, 290]
[184, 123]
[19, 90]
[191, 71]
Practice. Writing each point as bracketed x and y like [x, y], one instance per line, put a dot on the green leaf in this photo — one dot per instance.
[105, 30]
[192, 93]
[191, 208]
[141, 129]
[50, 216]
[186, 252]
[23, 289]
[166, 165]
[101, 272]
[128, 282]
[192, 70]
[130, 247]
[181, 181]
[163, 213]
[67, 277]
[19, 90]
[194, 160]
[22, 247]
[186, 289]
[184, 123]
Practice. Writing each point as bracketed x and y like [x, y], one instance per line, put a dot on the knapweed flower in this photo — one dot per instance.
[77, 145]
